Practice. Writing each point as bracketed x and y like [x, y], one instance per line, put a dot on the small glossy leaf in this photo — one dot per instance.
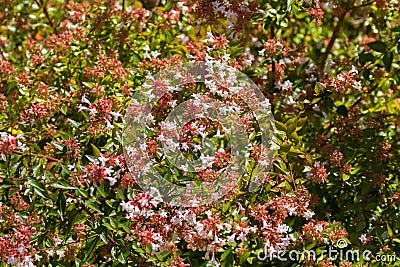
[378, 46]
[387, 60]
[342, 110]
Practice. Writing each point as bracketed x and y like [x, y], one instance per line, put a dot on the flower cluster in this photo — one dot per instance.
[307, 160]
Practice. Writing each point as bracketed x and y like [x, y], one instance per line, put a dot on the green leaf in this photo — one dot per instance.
[90, 247]
[310, 246]
[250, 260]
[96, 151]
[345, 177]
[226, 207]
[364, 58]
[396, 29]
[121, 193]
[387, 60]
[280, 126]
[58, 146]
[39, 188]
[291, 126]
[366, 187]
[302, 68]
[295, 152]
[315, 100]
[300, 123]
[61, 204]
[64, 110]
[294, 136]
[285, 147]
[378, 46]
[103, 235]
[63, 185]
[390, 231]
[342, 110]
[75, 124]
[227, 258]
[101, 191]
[244, 257]
[361, 226]
[93, 205]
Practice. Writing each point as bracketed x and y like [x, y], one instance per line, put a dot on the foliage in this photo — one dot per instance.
[70, 68]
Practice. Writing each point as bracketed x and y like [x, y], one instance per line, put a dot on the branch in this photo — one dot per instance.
[363, 5]
[46, 14]
[336, 32]
[36, 155]
[332, 40]
[272, 36]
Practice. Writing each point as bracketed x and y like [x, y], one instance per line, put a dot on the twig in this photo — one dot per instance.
[272, 36]
[363, 5]
[46, 14]
[332, 40]
[336, 32]
[36, 155]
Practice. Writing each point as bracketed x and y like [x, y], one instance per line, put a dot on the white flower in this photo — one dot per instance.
[353, 70]
[116, 115]
[71, 167]
[385, 235]
[50, 252]
[265, 103]
[112, 180]
[287, 85]
[155, 54]
[208, 213]
[60, 253]
[21, 249]
[57, 241]
[231, 238]
[126, 206]
[103, 160]
[12, 260]
[210, 37]
[184, 146]
[282, 229]
[92, 111]
[308, 214]
[363, 238]
[109, 126]
[357, 85]
[292, 211]
[80, 108]
[155, 247]
[319, 227]
[146, 55]
[242, 237]
[84, 100]
[196, 147]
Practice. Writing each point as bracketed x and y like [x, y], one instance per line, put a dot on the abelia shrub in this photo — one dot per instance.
[69, 189]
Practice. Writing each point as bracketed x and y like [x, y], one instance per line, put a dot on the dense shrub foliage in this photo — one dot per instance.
[69, 69]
